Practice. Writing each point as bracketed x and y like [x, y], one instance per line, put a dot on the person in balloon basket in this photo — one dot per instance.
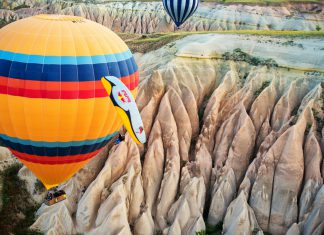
[120, 135]
[120, 138]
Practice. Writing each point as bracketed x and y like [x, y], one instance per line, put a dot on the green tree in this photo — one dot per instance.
[318, 28]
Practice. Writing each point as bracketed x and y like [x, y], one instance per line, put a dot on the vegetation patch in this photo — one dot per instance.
[239, 55]
[17, 213]
[3, 22]
[21, 6]
[263, 86]
[318, 28]
[308, 127]
[292, 43]
[39, 186]
[212, 230]
[280, 33]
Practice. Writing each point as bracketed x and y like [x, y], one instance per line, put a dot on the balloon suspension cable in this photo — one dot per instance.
[179, 28]
[53, 189]
[123, 130]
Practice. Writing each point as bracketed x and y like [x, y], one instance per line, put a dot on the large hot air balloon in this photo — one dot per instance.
[55, 113]
[180, 10]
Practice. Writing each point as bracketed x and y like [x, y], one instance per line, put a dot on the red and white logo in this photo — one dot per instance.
[123, 96]
[140, 130]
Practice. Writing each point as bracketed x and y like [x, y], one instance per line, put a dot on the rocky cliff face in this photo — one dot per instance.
[228, 143]
[149, 17]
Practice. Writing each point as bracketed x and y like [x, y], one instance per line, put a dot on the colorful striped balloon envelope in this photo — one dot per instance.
[55, 113]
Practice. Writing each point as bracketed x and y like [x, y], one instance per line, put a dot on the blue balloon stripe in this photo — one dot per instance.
[170, 11]
[54, 151]
[56, 144]
[186, 10]
[175, 6]
[183, 5]
[67, 72]
[68, 60]
[193, 9]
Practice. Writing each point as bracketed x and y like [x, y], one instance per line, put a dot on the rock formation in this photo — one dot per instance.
[228, 143]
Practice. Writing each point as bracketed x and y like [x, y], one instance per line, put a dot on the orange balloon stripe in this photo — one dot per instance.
[52, 174]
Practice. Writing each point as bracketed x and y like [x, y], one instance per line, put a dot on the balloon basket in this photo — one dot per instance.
[54, 197]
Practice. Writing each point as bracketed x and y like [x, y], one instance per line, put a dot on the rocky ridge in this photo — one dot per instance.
[149, 17]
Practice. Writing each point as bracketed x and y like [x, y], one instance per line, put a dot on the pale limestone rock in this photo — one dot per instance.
[182, 121]
[90, 202]
[58, 219]
[120, 206]
[242, 146]
[233, 148]
[189, 101]
[307, 197]
[149, 98]
[188, 209]
[145, 224]
[204, 161]
[196, 226]
[312, 176]
[211, 113]
[293, 230]
[252, 171]
[55, 219]
[5, 154]
[169, 183]
[234, 142]
[38, 194]
[240, 218]
[153, 167]
[223, 193]
[274, 194]
[313, 223]
[262, 108]
[287, 103]
[261, 47]
[322, 147]
[7, 159]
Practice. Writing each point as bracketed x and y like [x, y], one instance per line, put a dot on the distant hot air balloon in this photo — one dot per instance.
[55, 113]
[180, 10]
